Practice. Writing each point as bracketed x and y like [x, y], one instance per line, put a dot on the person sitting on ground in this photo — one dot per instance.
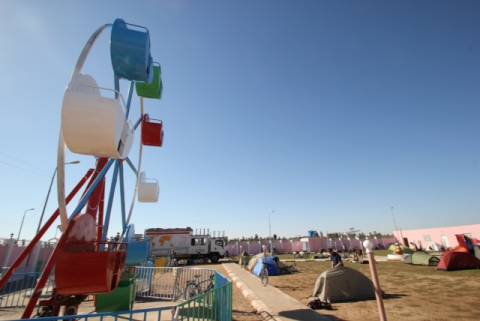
[335, 258]
[244, 259]
[356, 257]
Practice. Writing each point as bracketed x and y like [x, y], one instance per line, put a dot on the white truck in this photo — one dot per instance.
[182, 243]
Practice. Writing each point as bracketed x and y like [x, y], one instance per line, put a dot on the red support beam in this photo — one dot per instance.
[92, 208]
[94, 201]
[42, 281]
[18, 262]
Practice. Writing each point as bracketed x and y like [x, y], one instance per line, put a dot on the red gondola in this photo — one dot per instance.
[152, 131]
[85, 266]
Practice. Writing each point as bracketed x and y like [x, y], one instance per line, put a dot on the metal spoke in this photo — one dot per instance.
[110, 201]
[91, 189]
[139, 121]
[131, 165]
[129, 100]
[122, 195]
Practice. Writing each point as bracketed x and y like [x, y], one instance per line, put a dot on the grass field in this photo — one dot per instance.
[415, 293]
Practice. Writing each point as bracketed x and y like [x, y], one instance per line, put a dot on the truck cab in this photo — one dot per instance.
[217, 248]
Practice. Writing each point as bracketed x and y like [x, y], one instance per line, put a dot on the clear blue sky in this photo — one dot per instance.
[328, 112]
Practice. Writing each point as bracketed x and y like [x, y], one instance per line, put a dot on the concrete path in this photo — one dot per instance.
[269, 301]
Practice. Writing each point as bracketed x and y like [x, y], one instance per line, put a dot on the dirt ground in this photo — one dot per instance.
[414, 293]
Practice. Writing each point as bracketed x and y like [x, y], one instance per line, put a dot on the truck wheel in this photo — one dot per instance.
[214, 258]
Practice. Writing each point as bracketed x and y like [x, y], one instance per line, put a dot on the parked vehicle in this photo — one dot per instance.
[182, 243]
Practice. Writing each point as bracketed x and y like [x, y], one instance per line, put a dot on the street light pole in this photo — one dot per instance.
[21, 224]
[48, 194]
[395, 223]
[270, 229]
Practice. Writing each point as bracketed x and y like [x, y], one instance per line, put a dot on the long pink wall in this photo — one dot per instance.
[314, 244]
[9, 251]
[438, 235]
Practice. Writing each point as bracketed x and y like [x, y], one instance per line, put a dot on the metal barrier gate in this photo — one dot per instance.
[169, 283]
[16, 293]
[213, 301]
[215, 304]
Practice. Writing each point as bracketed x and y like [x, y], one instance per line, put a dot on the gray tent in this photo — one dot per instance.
[343, 284]
[425, 258]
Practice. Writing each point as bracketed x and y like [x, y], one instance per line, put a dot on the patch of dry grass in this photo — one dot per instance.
[415, 293]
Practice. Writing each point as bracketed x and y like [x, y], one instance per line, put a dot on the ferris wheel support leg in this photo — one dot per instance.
[51, 260]
[41, 232]
[122, 195]
[110, 202]
[42, 281]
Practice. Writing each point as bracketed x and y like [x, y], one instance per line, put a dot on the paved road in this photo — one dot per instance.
[270, 300]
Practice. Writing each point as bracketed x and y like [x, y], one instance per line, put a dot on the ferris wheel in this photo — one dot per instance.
[98, 122]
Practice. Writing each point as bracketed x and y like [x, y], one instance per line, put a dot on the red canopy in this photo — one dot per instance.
[458, 260]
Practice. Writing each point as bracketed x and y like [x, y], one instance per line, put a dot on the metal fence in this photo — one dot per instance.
[212, 302]
[215, 304]
[17, 291]
[170, 283]
[152, 314]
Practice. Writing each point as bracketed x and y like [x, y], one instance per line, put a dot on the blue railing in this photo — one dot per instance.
[215, 304]
[211, 299]
[137, 315]
[16, 293]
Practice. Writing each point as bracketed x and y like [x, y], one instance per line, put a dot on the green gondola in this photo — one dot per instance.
[153, 89]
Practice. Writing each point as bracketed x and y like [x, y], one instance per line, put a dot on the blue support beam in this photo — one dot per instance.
[91, 189]
[132, 167]
[139, 121]
[110, 201]
[117, 85]
[129, 100]
[122, 196]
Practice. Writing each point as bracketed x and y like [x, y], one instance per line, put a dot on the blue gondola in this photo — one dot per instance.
[130, 51]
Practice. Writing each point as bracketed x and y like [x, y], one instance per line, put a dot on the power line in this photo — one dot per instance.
[22, 168]
[19, 159]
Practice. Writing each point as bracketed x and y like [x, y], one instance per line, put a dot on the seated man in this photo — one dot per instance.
[244, 258]
[335, 258]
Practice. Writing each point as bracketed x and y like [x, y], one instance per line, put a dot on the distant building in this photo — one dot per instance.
[438, 236]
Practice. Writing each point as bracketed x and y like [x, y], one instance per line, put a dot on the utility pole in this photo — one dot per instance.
[21, 224]
[395, 223]
[48, 194]
[270, 229]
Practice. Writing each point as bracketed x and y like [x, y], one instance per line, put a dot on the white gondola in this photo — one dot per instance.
[93, 124]
[148, 189]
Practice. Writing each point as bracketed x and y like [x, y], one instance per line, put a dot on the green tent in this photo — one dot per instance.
[424, 258]
[399, 249]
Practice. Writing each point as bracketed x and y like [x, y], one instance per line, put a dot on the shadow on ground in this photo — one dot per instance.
[244, 313]
[308, 315]
[388, 296]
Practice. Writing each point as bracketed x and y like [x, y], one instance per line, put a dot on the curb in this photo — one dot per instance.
[256, 303]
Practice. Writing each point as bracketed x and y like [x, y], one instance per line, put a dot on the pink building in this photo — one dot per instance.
[437, 236]
[305, 244]
[10, 250]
